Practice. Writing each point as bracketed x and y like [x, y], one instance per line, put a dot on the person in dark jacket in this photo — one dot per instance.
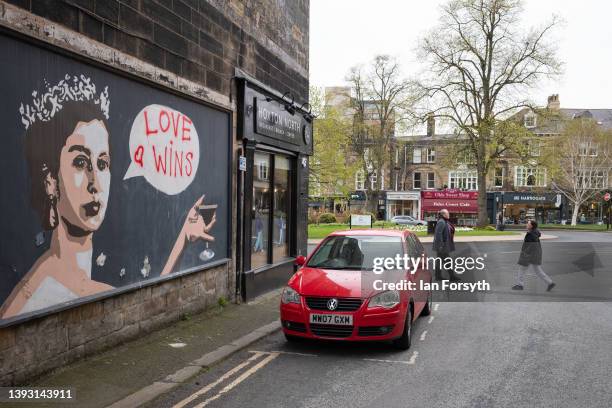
[444, 244]
[531, 257]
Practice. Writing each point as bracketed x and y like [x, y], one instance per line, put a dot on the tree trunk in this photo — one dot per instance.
[483, 217]
[575, 213]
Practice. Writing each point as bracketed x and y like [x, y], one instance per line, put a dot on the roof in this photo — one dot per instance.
[601, 116]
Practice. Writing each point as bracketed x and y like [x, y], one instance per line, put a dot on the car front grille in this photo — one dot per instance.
[329, 330]
[344, 304]
[374, 330]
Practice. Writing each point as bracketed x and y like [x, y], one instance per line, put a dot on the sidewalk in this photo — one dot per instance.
[482, 238]
[106, 378]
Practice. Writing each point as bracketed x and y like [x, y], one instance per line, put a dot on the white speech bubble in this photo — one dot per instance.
[164, 148]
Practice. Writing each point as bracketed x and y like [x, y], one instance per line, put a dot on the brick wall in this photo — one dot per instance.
[197, 39]
[35, 347]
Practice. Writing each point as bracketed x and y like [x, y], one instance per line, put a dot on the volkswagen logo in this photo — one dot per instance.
[332, 304]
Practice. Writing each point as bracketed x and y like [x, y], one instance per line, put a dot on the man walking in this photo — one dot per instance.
[531, 257]
[444, 244]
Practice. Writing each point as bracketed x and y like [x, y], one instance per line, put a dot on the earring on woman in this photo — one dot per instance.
[51, 191]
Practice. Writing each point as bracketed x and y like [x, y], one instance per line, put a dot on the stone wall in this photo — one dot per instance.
[37, 346]
[199, 40]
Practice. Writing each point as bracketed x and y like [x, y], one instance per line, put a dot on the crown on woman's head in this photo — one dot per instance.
[71, 88]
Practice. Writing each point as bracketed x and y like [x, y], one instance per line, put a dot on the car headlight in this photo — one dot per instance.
[290, 296]
[386, 299]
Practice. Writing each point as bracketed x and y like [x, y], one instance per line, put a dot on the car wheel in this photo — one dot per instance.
[428, 305]
[403, 343]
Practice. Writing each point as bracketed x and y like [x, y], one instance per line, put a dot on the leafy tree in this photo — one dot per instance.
[330, 172]
[480, 66]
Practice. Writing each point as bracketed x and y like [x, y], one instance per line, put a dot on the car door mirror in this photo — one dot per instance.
[300, 260]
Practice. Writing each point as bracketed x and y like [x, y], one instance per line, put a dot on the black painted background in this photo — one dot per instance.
[140, 221]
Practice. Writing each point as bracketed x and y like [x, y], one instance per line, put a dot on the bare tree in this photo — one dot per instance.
[381, 99]
[584, 159]
[480, 67]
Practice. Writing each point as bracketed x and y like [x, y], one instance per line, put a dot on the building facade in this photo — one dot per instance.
[156, 154]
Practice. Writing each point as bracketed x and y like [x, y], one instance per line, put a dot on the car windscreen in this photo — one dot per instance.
[355, 252]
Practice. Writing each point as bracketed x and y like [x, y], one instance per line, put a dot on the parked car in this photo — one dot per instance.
[407, 220]
[332, 296]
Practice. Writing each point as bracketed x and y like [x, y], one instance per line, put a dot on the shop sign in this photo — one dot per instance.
[273, 120]
[532, 198]
[455, 201]
[404, 195]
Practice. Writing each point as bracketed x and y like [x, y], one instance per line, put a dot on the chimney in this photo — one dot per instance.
[431, 125]
[553, 102]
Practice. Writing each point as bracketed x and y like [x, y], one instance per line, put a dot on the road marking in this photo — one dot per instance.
[387, 361]
[423, 335]
[431, 319]
[210, 386]
[284, 352]
[436, 306]
[240, 379]
[413, 357]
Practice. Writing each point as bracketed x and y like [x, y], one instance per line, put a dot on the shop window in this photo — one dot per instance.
[431, 155]
[431, 180]
[271, 212]
[282, 208]
[529, 176]
[463, 179]
[261, 210]
[499, 177]
[360, 180]
[416, 181]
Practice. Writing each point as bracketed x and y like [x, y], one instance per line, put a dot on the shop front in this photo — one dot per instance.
[272, 179]
[403, 203]
[518, 207]
[462, 205]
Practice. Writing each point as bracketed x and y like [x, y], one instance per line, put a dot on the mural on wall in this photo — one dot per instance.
[142, 172]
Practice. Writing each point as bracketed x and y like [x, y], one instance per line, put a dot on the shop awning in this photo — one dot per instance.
[463, 202]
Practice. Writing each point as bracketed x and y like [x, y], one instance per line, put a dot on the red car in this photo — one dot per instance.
[334, 295]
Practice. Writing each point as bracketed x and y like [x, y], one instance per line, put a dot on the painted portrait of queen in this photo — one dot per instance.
[69, 162]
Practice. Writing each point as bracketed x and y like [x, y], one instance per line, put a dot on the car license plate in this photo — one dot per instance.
[335, 319]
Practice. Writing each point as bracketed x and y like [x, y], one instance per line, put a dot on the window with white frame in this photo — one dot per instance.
[416, 180]
[416, 156]
[587, 149]
[534, 148]
[499, 177]
[529, 176]
[431, 180]
[360, 180]
[466, 157]
[595, 179]
[463, 179]
[530, 120]
[431, 155]
[373, 180]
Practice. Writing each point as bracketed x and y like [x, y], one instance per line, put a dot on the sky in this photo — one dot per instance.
[344, 33]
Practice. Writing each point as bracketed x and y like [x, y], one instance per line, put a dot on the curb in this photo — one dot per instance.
[208, 360]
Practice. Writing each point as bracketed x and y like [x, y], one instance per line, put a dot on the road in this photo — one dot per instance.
[467, 355]
[505, 350]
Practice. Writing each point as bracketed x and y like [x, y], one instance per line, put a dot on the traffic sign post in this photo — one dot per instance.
[606, 198]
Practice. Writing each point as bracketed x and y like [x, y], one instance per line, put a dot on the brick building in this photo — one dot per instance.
[157, 156]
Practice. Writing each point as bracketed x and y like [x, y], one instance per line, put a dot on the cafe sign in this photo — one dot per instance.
[273, 120]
